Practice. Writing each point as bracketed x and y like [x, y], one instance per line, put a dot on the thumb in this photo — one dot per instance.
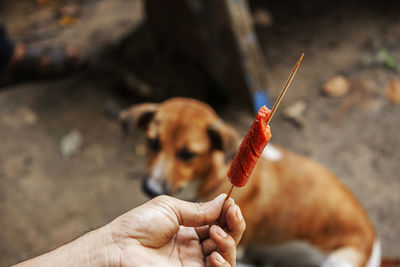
[193, 214]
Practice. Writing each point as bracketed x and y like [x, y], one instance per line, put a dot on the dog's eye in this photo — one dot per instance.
[185, 155]
[154, 144]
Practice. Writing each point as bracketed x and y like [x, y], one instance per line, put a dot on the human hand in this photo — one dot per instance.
[162, 232]
[169, 232]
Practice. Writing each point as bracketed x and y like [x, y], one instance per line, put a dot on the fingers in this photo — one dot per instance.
[202, 232]
[217, 260]
[235, 223]
[208, 246]
[226, 247]
[191, 214]
[227, 204]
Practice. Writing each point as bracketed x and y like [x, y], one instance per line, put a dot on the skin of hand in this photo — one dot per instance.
[162, 232]
[170, 232]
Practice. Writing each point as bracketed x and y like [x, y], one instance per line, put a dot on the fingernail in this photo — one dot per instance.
[238, 213]
[221, 232]
[219, 258]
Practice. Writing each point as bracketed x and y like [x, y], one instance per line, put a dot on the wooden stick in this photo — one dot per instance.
[230, 193]
[277, 102]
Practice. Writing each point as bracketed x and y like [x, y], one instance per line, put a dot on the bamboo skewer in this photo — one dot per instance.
[289, 81]
[277, 102]
[229, 193]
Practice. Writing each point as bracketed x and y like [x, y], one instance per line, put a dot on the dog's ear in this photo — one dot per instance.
[223, 138]
[137, 116]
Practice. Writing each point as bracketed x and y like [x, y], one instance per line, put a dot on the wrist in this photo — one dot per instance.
[95, 248]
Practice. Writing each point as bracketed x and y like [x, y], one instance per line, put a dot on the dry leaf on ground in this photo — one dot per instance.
[393, 91]
[337, 86]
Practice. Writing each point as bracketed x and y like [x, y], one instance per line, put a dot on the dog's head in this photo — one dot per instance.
[186, 140]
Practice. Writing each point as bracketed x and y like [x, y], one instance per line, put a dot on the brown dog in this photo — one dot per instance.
[288, 197]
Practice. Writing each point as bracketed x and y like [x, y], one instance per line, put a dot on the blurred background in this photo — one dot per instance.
[65, 167]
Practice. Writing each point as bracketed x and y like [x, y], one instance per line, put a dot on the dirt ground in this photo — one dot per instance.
[47, 200]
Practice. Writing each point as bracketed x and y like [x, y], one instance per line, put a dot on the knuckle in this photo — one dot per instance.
[161, 199]
[231, 242]
[227, 245]
[199, 208]
[242, 226]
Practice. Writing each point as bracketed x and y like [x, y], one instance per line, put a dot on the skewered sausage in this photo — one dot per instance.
[250, 149]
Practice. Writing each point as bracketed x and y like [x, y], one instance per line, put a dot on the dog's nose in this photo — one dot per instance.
[153, 190]
[149, 191]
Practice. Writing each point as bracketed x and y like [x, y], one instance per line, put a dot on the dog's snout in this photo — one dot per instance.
[154, 188]
[148, 190]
